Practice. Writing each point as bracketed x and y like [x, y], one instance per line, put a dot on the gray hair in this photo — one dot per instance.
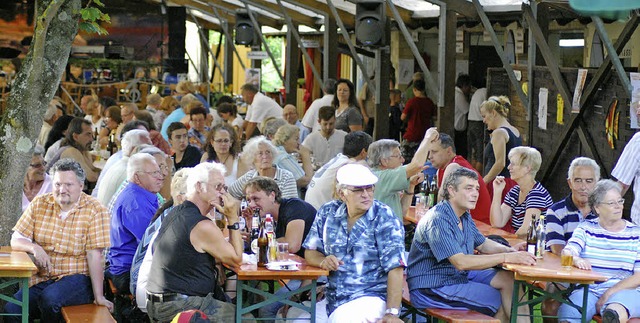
[380, 150]
[66, 165]
[253, 145]
[454, 178]
[131, 139]
[602, 188]
[270, 127]
[137, 163]
[584, 162]
[186, 99]
[154, 99]
[152, 150]
[200, 174]
[37, 151]
[285, 133]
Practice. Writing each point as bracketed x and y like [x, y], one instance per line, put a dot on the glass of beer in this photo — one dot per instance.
[566, 259]
[221, 221]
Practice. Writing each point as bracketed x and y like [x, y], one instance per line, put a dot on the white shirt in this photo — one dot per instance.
[263, 107]
[627, 170]
[476, 101]
[462, 108]
[324, 149]
[323, 184]
[310, 118]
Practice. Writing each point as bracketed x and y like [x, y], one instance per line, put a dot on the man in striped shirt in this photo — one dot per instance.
[444, 272]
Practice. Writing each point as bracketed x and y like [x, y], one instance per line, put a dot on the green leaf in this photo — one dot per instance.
[106, 18]
[91, 14]
[99, 3]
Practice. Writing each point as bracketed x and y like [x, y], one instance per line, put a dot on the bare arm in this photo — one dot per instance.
[317, 259]
[394, 287]
[207, 237]
[249, 128]
[42, 259]
[491, 247]
[499, 143]
[420, 157]
[624, 187]
[631, 282]
[556, 249]
[96, 272]
[407, 196]
[500, 213]
[293, 235]
[477, 262]
[532, 212]
[355, 128]
[305, 155]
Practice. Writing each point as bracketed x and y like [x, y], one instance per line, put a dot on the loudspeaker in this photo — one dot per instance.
[244, 29]
[370, 23]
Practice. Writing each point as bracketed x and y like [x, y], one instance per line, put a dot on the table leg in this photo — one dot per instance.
[584, 303]
[24, 282]
[515, 301]
[313, 300]
[239, 300]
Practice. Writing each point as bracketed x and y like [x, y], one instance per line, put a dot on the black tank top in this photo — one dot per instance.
[490, 158]
[177, 267]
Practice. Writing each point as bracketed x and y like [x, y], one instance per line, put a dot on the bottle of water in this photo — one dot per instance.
[542, 235]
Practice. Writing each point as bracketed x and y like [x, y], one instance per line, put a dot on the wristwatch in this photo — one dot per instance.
[235, 226]
[393, 311]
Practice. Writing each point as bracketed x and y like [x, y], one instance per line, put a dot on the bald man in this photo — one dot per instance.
[290, 114]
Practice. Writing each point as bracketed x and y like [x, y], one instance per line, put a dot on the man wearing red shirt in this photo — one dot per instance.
[443, 157]
[418, 114]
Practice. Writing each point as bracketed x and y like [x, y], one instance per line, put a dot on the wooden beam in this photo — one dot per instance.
[588, 94]
[590, 148]
[297, 17]
[206, 24]
[462, 7]
[348, 19]
[226, 7]
[549, 58]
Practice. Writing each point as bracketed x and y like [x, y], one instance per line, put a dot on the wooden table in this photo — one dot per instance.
[18, 267]
[549, 269]
[247, 273]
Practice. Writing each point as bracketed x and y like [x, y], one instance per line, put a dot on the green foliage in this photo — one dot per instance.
[92, 17]
[270, 79]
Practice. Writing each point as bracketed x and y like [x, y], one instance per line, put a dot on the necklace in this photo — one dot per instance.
[224, 162]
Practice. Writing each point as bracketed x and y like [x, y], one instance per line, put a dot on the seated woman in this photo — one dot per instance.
[113, 125]
[261, 152]
[36, 180]
[610, 246]
[222, 147]
[525, 200]
[286, 141]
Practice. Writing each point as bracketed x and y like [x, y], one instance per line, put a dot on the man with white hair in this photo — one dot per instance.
[115, 175]
[361, 242]
[188, 237]
[54, 111]
[131, 213]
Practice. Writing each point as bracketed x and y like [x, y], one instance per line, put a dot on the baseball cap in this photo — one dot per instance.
[190, 316]
[356, 175]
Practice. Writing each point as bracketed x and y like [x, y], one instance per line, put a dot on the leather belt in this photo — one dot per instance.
[165, 297]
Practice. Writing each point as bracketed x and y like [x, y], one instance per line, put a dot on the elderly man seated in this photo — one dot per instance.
[361, 242]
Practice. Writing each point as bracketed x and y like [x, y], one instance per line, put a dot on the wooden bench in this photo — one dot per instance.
[446, 315]
[87, 313]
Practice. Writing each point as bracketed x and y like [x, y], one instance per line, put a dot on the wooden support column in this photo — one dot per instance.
[228, 55]
[542, 18]
[383, 71]
[330, 54]
[447, 68]
[292, 61]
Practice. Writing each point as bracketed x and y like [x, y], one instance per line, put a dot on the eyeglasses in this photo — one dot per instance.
[614, 203]
[39, 165]
[221, 187]
[361, 189]
[395, 156]
[222, 141]
[155, 173]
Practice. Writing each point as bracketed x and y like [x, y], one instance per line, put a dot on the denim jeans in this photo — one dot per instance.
[47, 298]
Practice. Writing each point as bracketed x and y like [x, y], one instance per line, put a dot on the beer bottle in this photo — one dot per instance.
[541, 237]
[532, 237]
[433, 192]
[255, 224]
[263, 246]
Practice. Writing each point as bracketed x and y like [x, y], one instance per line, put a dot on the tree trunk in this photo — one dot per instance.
[56, 25]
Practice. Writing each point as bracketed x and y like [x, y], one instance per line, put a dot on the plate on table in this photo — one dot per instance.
[288, 265]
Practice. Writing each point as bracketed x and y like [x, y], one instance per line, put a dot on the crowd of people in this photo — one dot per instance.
[337, 197]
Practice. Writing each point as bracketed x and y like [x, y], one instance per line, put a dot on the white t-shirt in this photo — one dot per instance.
[476, 101]
[627, 170]
[462, 108]
[320, 189]
[310, 118]
[263, 107]
[324, 149]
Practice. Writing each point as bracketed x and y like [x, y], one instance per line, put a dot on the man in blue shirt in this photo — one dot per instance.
[443, 270]
[131, 214]
[361, 242]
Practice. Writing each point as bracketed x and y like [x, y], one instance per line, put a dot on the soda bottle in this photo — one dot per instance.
[273, 244]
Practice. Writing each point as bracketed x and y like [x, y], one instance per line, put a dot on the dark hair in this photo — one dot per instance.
[133, 124]
[107, 101]
[233, 149]
[114, 113]
[198, 110]
[68, 164]
[57, 130]
[326, 113]
[266, 185]
[352, 93]
[419, 85]
[463, 80]
[75, 127]
[145, 116]
[249, 87]
[354, 142]
[446, 141]
[175, 126]
[454, 178]
[228, 108]
[224, 99]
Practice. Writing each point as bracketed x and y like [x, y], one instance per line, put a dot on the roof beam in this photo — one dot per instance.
[282, 11]
[348, 19]
[227, 7]
[463, 7]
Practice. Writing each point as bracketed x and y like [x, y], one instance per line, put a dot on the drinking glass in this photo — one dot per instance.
[283, 251]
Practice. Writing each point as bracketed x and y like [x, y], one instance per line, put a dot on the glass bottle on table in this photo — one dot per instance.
[255, 230]
[271, 236]
[263, 247]
[541, 237]
[532, 237]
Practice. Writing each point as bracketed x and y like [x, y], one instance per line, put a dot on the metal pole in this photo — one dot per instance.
[256, 26]
[227, 34]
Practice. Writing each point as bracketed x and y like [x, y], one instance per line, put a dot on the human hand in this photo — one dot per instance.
[366, 120]
[581, 263]
[499, 184]
[603, 299]
[388, 318]
[229, 207]
[42, 259]
[100, 300]
[432, 134]
[520, 258]
[331, 263]
[416, 179]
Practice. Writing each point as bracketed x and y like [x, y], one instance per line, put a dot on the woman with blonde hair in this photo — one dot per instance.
[286, 141]
[504, 137]
[527, 200]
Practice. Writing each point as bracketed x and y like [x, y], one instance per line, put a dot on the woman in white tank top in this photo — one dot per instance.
[222, 147]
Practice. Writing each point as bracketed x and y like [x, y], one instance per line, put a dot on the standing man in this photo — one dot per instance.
[367, 103]
[442, 155]
[261, 107]
[65, 231]
[290, 114]
[310, 119]
[321, 189]
[475, 127]
[463, 89]
[183, 273]
[442, 262]
[328, 142]
[417, 114]
[132, 211]
[361, 242]
[627, 170]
